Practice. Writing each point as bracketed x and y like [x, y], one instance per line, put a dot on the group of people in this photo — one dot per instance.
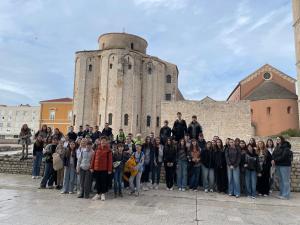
[90, 160]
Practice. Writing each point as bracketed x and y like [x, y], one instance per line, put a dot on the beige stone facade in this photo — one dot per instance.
[224, 119]
[122, 85]
[296, 16]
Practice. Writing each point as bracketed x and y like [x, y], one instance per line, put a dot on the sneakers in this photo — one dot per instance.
[145, 188]
[156, 187]
[195, 190]
[237, 196]
[253, 197]
[33, 177]
[96, 197]
[63, 192]
[206, 190]
[266, 195]
[211, 190]
[71, 192]
[171, 189]
[102, 197]
[183, 189]
[179, 189]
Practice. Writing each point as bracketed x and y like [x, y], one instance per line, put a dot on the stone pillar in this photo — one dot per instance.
[296, 16]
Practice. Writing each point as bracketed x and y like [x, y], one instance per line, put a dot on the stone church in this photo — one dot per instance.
[122, 85]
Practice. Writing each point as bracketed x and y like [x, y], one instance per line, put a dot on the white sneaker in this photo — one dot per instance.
[63, 192]
[183, 189]
[33, 177]
[102, 198]
[171, 189]
[156, 187]
[211, 190]
[71, 192]
[206, 190]
[96, 197]
[145, 188]
[180, 189]
[167, 189]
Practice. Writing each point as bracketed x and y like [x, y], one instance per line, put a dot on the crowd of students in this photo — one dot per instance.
[92, 160]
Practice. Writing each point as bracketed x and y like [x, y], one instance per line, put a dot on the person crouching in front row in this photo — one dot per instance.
[102, 168]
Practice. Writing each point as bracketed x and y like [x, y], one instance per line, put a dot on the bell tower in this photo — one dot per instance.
[296, 24]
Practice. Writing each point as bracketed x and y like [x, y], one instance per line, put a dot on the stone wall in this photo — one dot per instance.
[225, 119]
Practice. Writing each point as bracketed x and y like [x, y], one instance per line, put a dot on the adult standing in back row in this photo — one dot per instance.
[194, 128]
[179, 127]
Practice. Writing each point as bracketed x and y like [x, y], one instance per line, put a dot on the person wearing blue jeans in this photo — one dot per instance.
[37, 157]
[118, 164]
[233, 159]
[282, 160]
[208, 167]
[48, 177]
[195, 163]
[182, 163]
[70, 163]
[250, 163]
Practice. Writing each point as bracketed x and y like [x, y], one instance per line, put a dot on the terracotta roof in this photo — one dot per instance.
[270, 90]
[59, 100]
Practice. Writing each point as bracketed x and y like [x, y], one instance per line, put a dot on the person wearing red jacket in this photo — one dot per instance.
[101, 166]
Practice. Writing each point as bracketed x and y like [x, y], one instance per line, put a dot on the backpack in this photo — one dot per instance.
[57, 162]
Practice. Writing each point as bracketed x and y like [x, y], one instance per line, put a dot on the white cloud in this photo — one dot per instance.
[169, 4]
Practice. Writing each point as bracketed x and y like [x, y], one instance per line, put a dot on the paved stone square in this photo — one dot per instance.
[22, 203]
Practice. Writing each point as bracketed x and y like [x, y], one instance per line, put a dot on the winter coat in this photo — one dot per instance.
[283, 155]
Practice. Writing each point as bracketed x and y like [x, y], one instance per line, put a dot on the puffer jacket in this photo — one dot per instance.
[283, 155]
[102, 159]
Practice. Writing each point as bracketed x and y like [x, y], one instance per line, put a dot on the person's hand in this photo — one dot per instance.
[78, 170]
[109, 172]
[273, 163]
[92, 171]
[259, 174]
[246, 165]
[231, 167]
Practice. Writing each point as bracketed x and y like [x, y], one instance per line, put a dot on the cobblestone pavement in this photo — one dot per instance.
[22, 203]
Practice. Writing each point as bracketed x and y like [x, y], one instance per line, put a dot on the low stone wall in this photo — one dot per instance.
[12, 164]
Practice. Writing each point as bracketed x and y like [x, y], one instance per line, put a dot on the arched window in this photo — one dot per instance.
[99, 119]
[110, 66]
[168, 79]
[289, 109]
[74, 119]
[131, 46]
[157, 121]
[149, 70]
[90, 67]
[110, 116]
[126, 120]
[148, 121]
[268, 111]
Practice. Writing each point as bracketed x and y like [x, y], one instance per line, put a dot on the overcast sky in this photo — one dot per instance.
[214, 43]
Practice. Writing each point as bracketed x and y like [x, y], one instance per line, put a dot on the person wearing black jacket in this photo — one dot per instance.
[71, 134]
[208, 165]
[165, 132]
[264, 159]
[148, 150]
[179, 128]
[80, 132]
[169, 163]
[233, 159]
[96, 134]
[48, 177]
[37, 156]
[220, 167]
[194, 128]
[250, 162]
[158, 161]
[282, 159]
[107, 131]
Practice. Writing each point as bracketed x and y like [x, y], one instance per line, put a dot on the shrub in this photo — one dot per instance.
[290, 133]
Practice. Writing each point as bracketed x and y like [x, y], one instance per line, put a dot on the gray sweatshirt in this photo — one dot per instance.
[85, 158]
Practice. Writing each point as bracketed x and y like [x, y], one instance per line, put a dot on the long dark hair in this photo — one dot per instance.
[272, 145]
[196, 146]
[220, 148]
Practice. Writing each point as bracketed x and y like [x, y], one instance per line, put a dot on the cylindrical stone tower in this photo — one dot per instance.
[121, 85]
